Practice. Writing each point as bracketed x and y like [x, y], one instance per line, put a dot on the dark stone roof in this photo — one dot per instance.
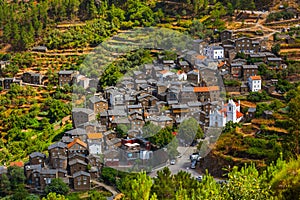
[180, 106]
[250, 67]
[81, 173]
[77, 131]
[94, 99]
[84, 110]
[75, 161]
[57, 145]
[34, 167]
[48, 171]
[36, 154]
[39, 48]
[252, 109]
[66, 72]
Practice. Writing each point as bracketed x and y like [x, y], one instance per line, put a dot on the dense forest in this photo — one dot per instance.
[35, 21]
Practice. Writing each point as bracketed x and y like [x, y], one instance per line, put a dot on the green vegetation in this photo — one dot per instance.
[258, 96]
[27, 121]
[232, 83]
[114, 71]
[57, 186]
[277, 16]
[13, 182]
[280, 180]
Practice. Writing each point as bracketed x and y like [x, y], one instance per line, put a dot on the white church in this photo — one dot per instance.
[229, 112]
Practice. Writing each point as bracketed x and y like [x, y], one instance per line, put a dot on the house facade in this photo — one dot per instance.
[254, 83]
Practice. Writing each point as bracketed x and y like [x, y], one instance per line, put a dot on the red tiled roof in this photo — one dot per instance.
[221, 64]
[17, 163]
[206, 89]
[164, 71]
[255, 77]
[239, 114]
[201, 57]
[78, 141]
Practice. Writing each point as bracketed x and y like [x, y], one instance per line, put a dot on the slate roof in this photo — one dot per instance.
[75, 161]
[84, 110]
[135, 106]
[116, 112]
[57, 145]
[274, 59]
[250, 67]
[36, 154]
[180, 106]
[183, 63]
[77, 131]
[45, 171]
[136, 73]
[66, 72]
[252, 109]
[81, 173]
[194, 104]
[34, 167]
[94, 99]
[39, 48]
[159, 118]
[148, 66]
[74, 155]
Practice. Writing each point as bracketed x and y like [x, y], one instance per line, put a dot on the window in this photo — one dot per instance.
[84, 182]
[79, 183]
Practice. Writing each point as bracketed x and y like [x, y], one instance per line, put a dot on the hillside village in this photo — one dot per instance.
[164, 93]
[233, 80]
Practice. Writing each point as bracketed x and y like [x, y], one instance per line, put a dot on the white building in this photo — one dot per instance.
[214, 52]
[254, 83]
[228, 112]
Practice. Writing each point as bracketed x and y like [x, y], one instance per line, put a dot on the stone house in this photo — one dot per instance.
[226, 35]
[76, 165]
[37, 158]
[81, 180]
[249, 70]
[58, 155]
[66, 77]
[33, 78]
[97, 104]
[77, 146]
[81, 116]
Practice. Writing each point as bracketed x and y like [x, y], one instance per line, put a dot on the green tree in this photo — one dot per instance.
[95, 195]
[286, 181]
[122, 130]
[16, 176]
[4, 185]
[294, 114]
[150, 129]
[245, 184]
[139, 188]
[189, 130]
[54, 196]
[172, 148]
[276, 49]
[57, 186]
